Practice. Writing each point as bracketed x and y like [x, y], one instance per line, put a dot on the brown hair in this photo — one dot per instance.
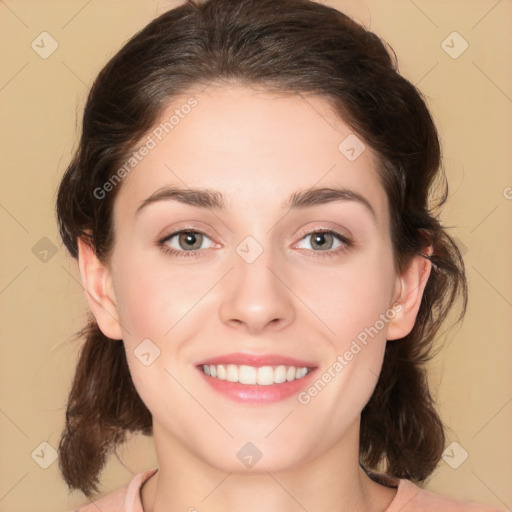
[288, 46]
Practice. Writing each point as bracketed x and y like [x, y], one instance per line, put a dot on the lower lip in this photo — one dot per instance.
[258, 394]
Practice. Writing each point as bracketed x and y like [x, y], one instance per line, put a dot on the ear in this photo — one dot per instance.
[410, 286]
[97, 281]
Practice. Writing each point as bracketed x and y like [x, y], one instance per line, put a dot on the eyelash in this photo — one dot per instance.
[188, 254]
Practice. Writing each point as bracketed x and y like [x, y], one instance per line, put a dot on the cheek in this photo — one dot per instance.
[357, 312]
[153, 296]
[139, 308]
[355, 304]
[351, 298]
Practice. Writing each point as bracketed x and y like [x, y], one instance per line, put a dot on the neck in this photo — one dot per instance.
[333, 481]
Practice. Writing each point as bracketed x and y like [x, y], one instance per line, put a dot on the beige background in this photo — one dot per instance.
[42, 301]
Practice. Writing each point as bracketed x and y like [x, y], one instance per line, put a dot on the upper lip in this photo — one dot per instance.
[258, 360]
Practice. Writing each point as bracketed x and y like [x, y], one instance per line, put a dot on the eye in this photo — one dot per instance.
[188, 243]
[184, 243]
[324, 240]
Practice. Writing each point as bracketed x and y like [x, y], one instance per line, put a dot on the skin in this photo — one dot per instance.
[256, 148]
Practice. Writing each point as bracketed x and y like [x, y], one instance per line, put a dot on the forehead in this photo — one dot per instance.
[254, 146]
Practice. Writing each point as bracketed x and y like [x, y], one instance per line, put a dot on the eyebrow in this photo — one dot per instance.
[213, 199]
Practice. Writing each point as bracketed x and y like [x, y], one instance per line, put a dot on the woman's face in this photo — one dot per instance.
[257, 291]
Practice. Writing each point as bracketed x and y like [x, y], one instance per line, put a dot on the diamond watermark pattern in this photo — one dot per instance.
[462, 247]
[146, 352]
[44, 45]
[44, 250]
[351, 147]
[454, 45]
[44, 455]
[249, 455]
[454, 455]
[249, 249]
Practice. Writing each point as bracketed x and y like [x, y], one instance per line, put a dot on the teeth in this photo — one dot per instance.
[301, 372]
[280, 374]
[248, 375]
[231, 373]
[263, 375]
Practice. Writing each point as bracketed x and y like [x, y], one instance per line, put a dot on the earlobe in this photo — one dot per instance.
[411, 285]
[97, 281]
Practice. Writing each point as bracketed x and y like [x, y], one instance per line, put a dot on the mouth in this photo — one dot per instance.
[253, 378]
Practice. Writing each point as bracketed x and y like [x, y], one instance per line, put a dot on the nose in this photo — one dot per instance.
[256, 296]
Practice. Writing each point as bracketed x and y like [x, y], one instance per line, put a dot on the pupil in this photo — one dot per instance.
[319, 239]
[190, 239]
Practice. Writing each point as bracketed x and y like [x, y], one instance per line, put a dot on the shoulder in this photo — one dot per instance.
[125, 499]
[411, 498]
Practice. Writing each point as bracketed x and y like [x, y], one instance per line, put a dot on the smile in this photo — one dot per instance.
[257, 379]
[251, 375]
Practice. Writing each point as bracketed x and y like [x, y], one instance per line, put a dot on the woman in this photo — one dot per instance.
[249, 207]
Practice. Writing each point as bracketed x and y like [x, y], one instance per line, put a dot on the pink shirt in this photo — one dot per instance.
[409, 498]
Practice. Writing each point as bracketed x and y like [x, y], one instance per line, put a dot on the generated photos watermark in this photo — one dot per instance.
[356, 346]
[150, 143]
